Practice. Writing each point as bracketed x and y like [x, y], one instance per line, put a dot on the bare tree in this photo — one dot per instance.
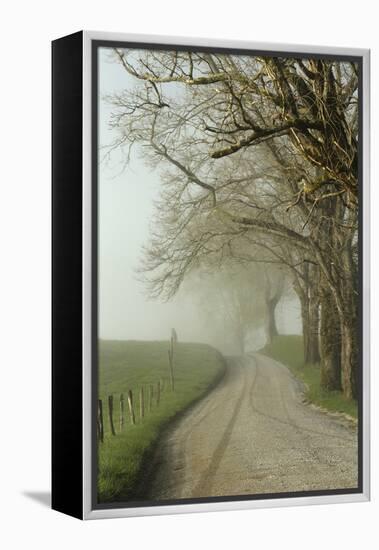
[256, 148]
[273, 291]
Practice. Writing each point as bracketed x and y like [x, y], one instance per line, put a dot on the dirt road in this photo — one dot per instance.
[253, 435]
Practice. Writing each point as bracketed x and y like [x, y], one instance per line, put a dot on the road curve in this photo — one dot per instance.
[253, 435]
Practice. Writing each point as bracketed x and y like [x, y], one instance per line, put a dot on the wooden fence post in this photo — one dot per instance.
[100, 423]
[121, 412]
[158, 392]
[131, 409]
[171, 363]
[110, 408]
[141, 404]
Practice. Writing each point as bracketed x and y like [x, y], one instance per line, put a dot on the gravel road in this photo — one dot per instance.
[252, 435]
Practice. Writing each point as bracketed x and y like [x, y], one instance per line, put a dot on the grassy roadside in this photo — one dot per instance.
[132, 365]
[289, 351]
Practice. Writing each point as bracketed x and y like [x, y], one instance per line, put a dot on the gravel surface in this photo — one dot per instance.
[252, 435]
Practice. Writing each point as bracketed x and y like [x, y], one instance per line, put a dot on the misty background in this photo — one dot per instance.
[126, 206]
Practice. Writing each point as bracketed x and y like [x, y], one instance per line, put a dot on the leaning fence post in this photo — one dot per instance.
[158, 392]
[171, 363]
[100, 423]
[110, 408]
[141, 404]
[131, 409]
[121, 412]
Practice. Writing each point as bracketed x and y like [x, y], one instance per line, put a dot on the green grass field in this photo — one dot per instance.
[131, 365]
[289, 351]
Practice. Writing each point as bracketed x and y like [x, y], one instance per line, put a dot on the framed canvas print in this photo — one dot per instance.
[210, 275]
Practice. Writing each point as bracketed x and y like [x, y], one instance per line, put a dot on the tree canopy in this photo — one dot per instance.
[259, 156]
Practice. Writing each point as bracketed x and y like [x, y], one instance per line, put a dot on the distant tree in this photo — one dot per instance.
[232, 301]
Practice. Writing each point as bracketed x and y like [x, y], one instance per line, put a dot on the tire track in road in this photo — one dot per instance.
[191, 423]
[204, 410]
[253, 435]
[205, 482]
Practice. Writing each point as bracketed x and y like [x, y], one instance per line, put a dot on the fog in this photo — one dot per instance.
[126, 205]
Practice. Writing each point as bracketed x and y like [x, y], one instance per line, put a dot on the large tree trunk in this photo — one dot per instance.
[304, 302]
[270, 325]
[306, 288]
[349, 325]
[273, 293]
[313, 352]
[349, 359]
[330, 343]
[334, 254]
[310, 321]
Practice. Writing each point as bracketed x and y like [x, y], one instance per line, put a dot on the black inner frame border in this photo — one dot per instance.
[95, 46]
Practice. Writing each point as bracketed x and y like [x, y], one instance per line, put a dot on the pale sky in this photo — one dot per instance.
[125, 210]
